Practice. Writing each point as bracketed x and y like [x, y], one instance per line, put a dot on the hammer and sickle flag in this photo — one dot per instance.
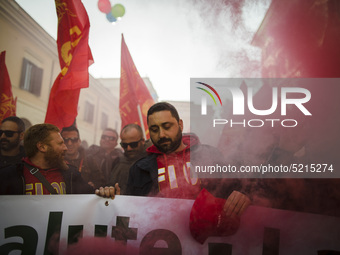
[7, 102]
[74, 57]
[135, 98]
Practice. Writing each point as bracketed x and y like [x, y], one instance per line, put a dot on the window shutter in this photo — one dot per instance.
[36, 81]
[23, 73]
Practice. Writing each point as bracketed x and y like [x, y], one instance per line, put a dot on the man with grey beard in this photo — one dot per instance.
[11, 135]
[44, 170]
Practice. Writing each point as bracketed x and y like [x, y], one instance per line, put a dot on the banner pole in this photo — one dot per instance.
[141, 120]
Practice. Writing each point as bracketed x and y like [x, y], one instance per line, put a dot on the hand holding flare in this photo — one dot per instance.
[211, 216]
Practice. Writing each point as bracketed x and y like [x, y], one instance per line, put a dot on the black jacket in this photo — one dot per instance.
[143, 177]
[98, 166]
[11, 160]
[12, 181]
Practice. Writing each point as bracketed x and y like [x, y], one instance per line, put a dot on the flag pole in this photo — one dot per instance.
[141, 120]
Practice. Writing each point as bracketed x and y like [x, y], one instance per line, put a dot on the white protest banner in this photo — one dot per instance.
[143, 225]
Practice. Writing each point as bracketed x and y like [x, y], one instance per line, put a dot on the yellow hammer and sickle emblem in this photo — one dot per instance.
[66, 48]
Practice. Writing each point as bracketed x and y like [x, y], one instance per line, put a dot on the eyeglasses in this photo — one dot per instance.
[8, 133]
[132, 145]
[110, 138]
[72, 139]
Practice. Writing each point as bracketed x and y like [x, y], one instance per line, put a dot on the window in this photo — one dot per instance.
[89, 112]
[104, 121]
[31, 77]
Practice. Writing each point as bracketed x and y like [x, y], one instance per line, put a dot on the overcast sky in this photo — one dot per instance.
[170, 41]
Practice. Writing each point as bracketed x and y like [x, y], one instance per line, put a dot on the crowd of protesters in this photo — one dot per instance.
[141, 167]
[46, 160]
[43, 154]
[54, 162]
[56, 155]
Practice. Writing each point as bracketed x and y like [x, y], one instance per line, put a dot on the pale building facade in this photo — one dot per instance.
[33, 65]
[183, 108]
[113, 84]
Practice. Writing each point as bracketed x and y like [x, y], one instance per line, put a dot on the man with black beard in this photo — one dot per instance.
[43, 168]
[165, 172]
[11, 134]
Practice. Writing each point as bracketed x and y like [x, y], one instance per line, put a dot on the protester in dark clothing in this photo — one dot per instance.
[11, 135]
[133, 143]
[99, 159]
[166, 172]
[75, 154]
[12, 160]
[78, 162]
[45, 150]
[145, 181]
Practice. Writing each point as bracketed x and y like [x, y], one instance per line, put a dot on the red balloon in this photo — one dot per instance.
[104, 6]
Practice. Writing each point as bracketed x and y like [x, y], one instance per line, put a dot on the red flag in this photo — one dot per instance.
[75, 57]
[7, 102]
[135, 99]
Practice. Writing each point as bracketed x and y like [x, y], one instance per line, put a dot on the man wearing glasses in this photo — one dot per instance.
[133, 143]
[44, 170]
[100, 159]
[75, 153]
[11, 134]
